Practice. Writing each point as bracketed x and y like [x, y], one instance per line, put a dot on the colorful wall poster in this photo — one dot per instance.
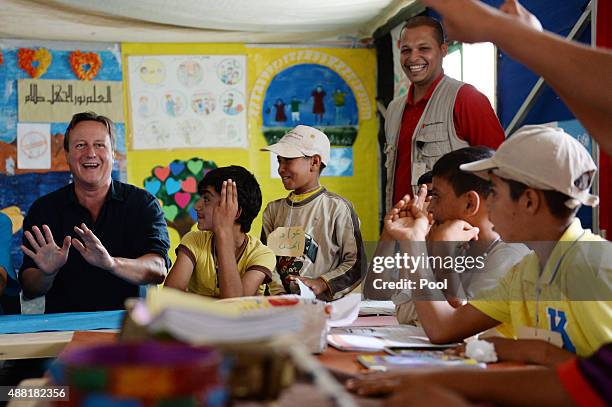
[187, 101]
[333, 90]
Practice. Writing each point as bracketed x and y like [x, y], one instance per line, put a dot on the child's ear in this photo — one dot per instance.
[238, 213]
[315, 164]
[472, 203]
[532, 200]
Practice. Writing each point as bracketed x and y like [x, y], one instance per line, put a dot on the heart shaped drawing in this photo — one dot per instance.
[161, 173]
[195, 165]
[172, 186]
[85, 65]
[34, 62]
[176, 167]
[170, 212]
[182, 199]
[152, 185]
[189, 185]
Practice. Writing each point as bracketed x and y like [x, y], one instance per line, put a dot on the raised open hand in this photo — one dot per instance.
[406, 222]
[48, 256]
[92, 250]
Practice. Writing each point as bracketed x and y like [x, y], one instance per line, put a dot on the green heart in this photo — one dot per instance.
[170, 212]
[195, 166]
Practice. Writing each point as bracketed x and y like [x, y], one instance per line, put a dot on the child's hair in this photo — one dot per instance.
[447, 167]
[249, 193]
[425, 178]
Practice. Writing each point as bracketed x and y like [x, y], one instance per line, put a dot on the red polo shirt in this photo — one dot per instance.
[474, 119]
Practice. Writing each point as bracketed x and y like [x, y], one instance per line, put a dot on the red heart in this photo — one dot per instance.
[189, 185]
[161, 173]
[182, 199]
[26, 57]
[79, 60]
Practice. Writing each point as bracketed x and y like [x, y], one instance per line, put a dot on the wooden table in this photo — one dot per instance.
[331, 358]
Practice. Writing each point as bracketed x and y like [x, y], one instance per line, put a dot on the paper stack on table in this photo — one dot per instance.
[373, 307]
[202, 320]
[375, 339]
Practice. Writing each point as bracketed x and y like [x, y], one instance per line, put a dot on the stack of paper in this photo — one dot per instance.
[199, 320]
[374, 339]
[372, 307]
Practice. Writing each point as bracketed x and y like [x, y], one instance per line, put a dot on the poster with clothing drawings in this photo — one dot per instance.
[187, 101]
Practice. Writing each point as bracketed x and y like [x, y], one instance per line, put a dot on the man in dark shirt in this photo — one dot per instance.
[117, 231]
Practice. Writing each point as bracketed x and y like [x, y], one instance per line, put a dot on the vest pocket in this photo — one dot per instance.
[431, 145]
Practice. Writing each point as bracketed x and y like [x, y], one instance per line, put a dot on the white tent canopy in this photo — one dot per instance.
[248, 21]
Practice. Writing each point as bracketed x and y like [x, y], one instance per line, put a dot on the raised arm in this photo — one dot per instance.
[149, 268]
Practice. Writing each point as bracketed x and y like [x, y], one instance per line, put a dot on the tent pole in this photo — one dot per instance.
[595, 150]
[520, 115]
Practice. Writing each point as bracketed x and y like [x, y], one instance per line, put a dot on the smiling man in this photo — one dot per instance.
[89, 245]
[438, 115]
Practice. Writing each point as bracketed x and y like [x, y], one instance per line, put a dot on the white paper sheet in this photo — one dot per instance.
[34, 146]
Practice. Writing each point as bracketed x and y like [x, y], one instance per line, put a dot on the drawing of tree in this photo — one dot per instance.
[176, 186]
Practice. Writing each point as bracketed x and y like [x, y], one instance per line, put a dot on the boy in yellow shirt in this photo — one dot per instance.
[220, 259]
[561, 290]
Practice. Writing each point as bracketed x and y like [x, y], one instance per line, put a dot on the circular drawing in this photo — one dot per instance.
[152, 71]
[203, 103]
[156, 134]
[190, 73]
[192, 131]
[232, 102]
[174, 103]
[229, 71]
[146, 104]
[226, 132]
[34, 144]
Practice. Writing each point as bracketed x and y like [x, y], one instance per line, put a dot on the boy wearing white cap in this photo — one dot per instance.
[326, 249]
[561, 291]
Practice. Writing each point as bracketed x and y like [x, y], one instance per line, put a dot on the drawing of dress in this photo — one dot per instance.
[318, 107]
[280, 111]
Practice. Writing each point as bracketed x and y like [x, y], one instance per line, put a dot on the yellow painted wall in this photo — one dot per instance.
[356, 66]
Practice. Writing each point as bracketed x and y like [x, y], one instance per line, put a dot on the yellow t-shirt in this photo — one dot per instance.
[198, 245]
[574, 292]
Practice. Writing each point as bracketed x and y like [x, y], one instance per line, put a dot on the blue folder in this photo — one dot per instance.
[69, 321]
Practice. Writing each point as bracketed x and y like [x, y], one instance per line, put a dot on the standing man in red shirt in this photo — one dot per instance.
[438, 115]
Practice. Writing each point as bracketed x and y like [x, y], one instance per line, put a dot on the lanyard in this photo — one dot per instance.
[552, 278]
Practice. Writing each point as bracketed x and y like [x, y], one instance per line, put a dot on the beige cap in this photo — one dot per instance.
[302, 141]
[546, 158]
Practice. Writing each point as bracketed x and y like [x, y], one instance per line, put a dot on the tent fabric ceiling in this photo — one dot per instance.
[254, 21]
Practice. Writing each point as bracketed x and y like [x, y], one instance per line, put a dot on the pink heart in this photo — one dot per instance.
[161, 173]
[182, 199]
[189, 185]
